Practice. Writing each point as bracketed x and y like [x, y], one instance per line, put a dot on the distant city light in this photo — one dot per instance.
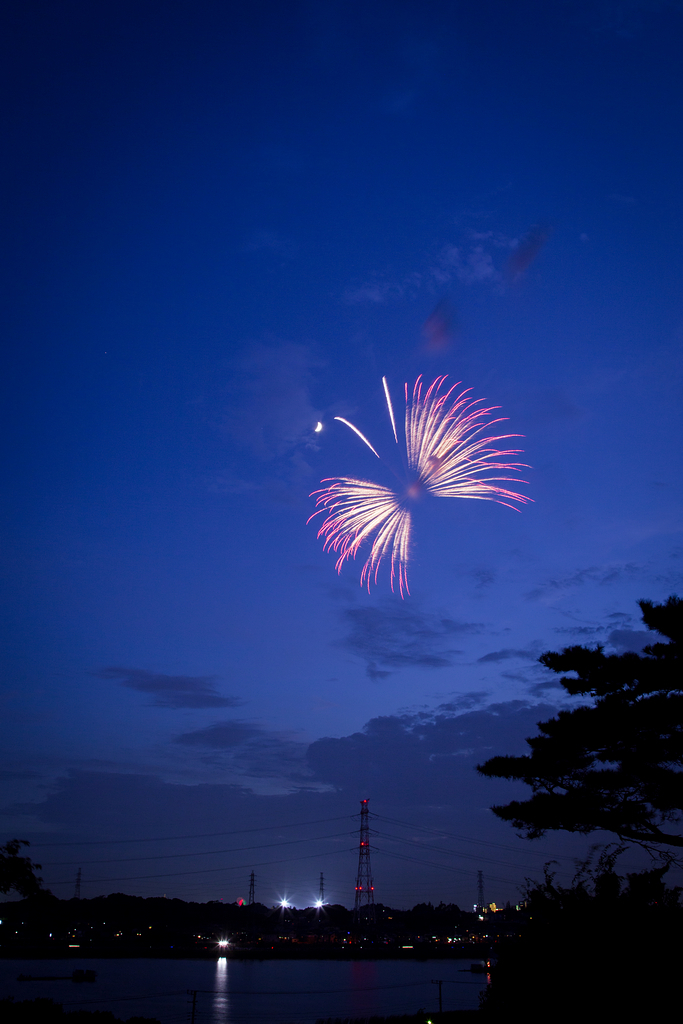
[223, 942]
[319, 903]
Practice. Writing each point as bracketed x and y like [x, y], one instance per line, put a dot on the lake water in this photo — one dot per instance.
[258, 992]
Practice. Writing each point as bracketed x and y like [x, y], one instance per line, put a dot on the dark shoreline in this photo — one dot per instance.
[353, 953]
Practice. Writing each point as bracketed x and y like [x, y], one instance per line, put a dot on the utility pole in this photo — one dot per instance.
[321, 897]
[251, 899]
[439, 982]
[193, 992]
[364, 908]
[480, 891]
[77, 890]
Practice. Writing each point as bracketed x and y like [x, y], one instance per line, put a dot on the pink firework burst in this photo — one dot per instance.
[445, 455]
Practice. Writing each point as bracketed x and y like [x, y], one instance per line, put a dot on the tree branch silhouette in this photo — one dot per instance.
[18, 873]
[615, 764]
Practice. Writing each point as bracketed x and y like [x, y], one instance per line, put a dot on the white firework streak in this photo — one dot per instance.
[446, 457]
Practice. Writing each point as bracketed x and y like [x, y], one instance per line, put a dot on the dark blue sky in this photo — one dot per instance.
[223, 224]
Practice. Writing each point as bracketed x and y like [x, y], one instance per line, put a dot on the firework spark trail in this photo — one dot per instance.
[445, 452]
[390, 407]
[357, 431]
[446, 457]
[355, 510]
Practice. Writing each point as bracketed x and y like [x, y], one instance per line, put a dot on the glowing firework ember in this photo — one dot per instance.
[445, 455]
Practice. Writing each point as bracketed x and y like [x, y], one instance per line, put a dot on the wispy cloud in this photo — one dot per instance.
[391, 637]
[624, 640]
[541, 689]
[507, 653]
[622, 617]
[250, 751]
[272, 242]
[379, 290]
[220, 735]
[601, 574]
[471, 264]
[474, 258]
[579, 632]
[462, 702]
[171, 691]
[484, 577]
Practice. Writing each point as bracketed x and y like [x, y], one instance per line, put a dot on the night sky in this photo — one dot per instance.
[223, 224]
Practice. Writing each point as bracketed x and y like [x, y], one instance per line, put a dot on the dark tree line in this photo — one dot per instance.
[605, 948]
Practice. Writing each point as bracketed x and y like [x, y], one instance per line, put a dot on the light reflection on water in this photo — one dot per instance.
[363, 976]
[221, 1003]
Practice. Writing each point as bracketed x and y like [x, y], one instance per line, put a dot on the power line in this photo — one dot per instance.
[262, 992]
[555, 855]
[200, 835]
[469, 839]
[204, 871]
[123, 999]
[444, 867]
[453, 853]
[205, 853]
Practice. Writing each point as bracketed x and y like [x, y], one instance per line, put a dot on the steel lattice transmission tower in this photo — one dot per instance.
[252, 887]
[77, 890]
[480, 891]
[364, 908]
[321, 897]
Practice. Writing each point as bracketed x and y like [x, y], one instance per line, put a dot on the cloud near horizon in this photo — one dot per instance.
[426, 756]
[418, 767]
[421, 758]
[250, 751]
